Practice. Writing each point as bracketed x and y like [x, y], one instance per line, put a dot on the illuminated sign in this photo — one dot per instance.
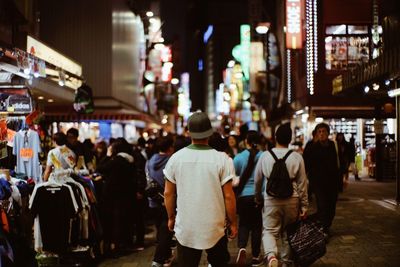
[48, 54]
[294, 14]
[208, 33]
[245, 44]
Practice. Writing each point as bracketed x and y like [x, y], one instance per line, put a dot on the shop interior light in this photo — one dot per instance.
[41, 97]
[149, 14]
[169, 65]
[152, 20]
[387, 82]
[50, 100]
[161, 40]
[375, 86]
[231, 64]
[174, 81]
[319, 119]
[394, 92]
[366, 89]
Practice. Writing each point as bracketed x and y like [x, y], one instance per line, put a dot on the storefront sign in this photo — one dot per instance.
[48, 54]
[19, 104]
[337, 84]
[294, 33]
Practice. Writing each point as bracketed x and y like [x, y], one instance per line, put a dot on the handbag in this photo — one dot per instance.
[307, 240]
[154, 190]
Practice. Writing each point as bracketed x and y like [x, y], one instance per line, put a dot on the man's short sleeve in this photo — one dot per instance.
[49, 162]
[169, 172]
[228, 170]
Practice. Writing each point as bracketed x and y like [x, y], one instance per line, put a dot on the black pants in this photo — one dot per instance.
[140, 210]
[217, 256]
[250, 220]
[326, 198]
[164, 238]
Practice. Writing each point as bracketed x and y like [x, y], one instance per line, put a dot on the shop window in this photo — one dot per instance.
[346, 46]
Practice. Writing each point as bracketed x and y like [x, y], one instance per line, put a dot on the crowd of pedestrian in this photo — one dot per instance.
[205, 188]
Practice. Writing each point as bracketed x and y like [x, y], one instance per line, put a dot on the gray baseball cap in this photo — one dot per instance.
[199, 126]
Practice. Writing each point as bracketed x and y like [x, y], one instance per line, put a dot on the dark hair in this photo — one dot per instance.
[314, 132]
[284, 134]
[60, 139]
[217, 142]
[73, 131]
[141, 142]
[253, 139]
[323, 125]
[164, 143]
[121, 145]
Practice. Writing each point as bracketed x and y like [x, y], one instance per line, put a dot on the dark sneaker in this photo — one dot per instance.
[241, 257]
[257, 261]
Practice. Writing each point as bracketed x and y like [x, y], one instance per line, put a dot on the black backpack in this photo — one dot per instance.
[279, 184]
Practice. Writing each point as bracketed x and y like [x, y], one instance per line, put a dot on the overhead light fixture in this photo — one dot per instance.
[394, 92]
[161, 40]
[366, 89]
[159, 46]
[319, 119]
[50, 100]
[61, 76]
[263, 27]
[375, 86]
[174, 81]
[387, 82]
[41, 97]
[149, 14]
[152, 20]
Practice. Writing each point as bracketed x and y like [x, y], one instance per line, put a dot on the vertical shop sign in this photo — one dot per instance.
[294, 33]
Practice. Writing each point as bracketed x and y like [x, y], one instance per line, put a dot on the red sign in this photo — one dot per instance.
[294, 15]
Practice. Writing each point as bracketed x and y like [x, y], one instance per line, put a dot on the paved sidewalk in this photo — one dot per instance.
[366, 231]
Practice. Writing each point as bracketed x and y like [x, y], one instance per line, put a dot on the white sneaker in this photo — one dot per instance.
[241, 257]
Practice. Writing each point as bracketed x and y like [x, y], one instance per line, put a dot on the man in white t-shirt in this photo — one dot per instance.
[60, 157]
[199, 198]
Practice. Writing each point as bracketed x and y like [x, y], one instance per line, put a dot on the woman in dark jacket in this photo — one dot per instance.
[119, 196]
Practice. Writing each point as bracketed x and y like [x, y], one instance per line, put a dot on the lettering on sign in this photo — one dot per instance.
[294, 14]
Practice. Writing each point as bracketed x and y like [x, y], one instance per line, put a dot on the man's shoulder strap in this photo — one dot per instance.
[273, 154]
[276, 158]
[287, 154]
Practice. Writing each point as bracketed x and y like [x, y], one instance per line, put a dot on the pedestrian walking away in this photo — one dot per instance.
[250, 220]
[280, 212]
[199, 198]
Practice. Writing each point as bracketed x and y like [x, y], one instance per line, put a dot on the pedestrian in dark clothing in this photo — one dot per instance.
[142, 204]
[353, 153]
[343, 149]
[324, 175]
[306, 156]
[217, 142]
[154, 170]
[120, 188]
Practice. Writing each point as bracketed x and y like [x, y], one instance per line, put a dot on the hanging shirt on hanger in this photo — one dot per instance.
[26, 149]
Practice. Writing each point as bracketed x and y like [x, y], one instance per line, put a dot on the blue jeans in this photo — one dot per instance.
[217, 256]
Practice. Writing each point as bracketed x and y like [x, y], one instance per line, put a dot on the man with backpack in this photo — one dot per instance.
[285, 196]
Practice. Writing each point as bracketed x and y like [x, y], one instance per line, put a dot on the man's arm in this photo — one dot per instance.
[230, 206]
[170, 203]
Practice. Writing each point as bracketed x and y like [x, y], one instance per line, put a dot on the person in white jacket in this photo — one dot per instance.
[277, 212]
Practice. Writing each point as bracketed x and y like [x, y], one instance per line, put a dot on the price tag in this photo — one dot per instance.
[26, 153]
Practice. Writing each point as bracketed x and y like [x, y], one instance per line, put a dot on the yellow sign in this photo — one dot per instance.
[337, 85]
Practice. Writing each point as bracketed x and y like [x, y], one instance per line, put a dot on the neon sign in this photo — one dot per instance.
[294, 14]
